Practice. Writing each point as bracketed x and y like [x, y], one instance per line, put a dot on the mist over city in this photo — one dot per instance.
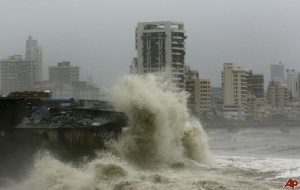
[97, 34]
[196, 94]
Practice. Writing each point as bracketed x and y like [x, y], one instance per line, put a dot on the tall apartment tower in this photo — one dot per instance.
[16, 74]
[277, 72]
[292, 82]
[34, 54]
[234, 83]
[235, 91]
[160, 49]
[64, 73]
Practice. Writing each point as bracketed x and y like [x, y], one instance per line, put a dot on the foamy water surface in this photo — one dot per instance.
[110, 172]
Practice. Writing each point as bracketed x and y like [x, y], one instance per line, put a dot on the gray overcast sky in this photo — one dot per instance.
[98, 35]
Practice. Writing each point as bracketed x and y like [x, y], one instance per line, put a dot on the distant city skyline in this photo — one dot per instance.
[99, 36]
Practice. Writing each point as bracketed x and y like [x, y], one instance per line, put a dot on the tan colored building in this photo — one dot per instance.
[204, 105]
[199, 101]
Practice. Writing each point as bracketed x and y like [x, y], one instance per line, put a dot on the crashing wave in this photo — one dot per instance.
[160, 128]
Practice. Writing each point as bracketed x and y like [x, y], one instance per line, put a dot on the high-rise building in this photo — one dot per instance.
[235, 91]
[34, 54]
[256, 85]
[234, 84]
[64, 73]
[160, 49]
[292, 82]
[16, 74]
[277, 72]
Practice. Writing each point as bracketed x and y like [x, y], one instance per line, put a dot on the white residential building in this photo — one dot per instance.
[234, 83]
[235, 91]
[160, 49]
[292, 82]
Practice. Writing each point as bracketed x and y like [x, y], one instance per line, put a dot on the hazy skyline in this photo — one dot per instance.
[99, 35]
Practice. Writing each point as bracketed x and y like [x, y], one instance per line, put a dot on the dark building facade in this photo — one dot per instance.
[256, 84]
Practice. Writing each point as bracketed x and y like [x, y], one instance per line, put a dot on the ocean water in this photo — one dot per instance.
[110, 172]
[165, 148]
